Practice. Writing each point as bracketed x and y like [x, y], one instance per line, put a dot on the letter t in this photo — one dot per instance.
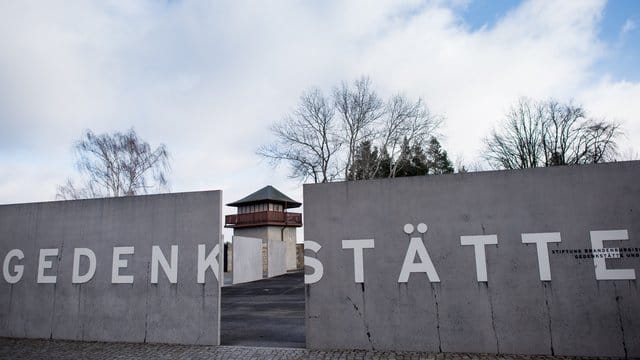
[479, 242]
[541, 240]
[358, 246]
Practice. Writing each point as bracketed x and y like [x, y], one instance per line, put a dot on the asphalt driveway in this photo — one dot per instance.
[267, 312]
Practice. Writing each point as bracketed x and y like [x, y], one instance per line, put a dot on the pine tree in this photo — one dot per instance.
[385, 165]
[403, 164]
[419, 162]
[364, 162]
[438, 161]
[413, 160]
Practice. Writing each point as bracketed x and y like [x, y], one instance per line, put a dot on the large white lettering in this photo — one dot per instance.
[597, 243]
[417, 259]
[479, 242]
[207, 262]
[315, 264]
[44, 264]
[416, 247]
[76, 278]
[17, 269]
[541, 240]
[358, 255]
[119, 263]
[157, 258]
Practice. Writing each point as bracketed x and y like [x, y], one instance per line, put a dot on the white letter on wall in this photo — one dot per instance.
[76, 278]
[479, 242]
[541, 240]
[43, 264]
[209, 261]
[416, 246]
[18, 269]
[157, 257]
[602, 273]
[118, 263]
[358, 263]
[315, 264]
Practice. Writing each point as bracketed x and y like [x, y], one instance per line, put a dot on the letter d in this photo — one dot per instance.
[76, 278]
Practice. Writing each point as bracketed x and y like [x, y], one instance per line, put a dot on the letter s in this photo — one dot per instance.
[314, 263]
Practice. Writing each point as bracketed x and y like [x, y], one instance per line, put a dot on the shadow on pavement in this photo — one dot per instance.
[268, 312]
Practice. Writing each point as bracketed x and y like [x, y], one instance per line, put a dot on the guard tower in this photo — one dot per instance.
[264, 215]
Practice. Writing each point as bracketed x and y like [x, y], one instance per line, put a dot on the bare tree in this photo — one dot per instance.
[403, 120]
[358, 107]
[70, 191]
[599, 141]
[307, 139]
[118, 164]
[323, 138]
[549, 134]
[518, 143]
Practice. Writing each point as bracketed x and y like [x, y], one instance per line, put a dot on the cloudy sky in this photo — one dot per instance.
[208, 78]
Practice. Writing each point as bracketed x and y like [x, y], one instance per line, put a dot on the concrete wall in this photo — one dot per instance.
[276, 258]
[257, 232]
[274, 233]
[290, 246]
[299, 256]
[182, 312]
[513, 311]
[247, 259]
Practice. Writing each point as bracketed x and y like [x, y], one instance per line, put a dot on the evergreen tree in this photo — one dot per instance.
[419, 162]
[413, 160]
[438, 160]
[385, 165]
[364, 162]
[402, 165]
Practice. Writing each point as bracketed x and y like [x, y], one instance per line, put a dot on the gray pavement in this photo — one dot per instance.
[268, 312]
[59, 349]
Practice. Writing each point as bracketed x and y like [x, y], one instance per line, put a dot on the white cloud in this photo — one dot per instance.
[628, 26]
[541, 49]
[207, 79]
[616, 101]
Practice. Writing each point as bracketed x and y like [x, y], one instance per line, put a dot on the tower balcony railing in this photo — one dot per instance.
[263, 218]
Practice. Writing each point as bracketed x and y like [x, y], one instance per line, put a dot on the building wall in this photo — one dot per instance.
[259, 233]
[290, 245]
[228, 257]
[99, 310]
[513, 310]
[266, 233]
[276, 258]
[247, 259]
[299, 256]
